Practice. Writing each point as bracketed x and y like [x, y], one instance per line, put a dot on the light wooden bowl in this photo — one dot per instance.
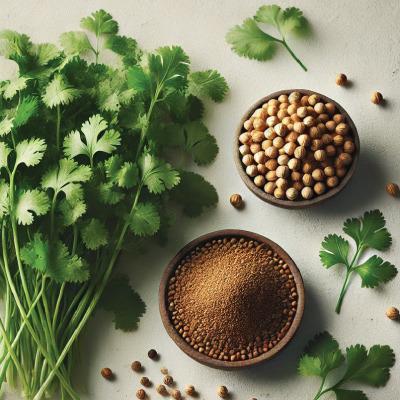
[297, 203]
[202, 358]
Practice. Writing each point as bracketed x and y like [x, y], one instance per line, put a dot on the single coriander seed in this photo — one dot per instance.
[164, 371]
[106, 373]
[136, 366]
[190, 390]
[237, 202]
[222, 392]
[376, 98]
[153, 355]
[393, 189]
[145, 381]
[341, 80]
[393, 313]
[161, 389]
[168, 380]
[176, 394]
[140, 394]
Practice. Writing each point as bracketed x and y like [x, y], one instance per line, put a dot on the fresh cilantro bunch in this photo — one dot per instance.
[249, 40]
[90, 164]
[370, 367]
[367, 232]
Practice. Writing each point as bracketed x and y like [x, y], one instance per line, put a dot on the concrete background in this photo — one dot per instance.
[361, 39]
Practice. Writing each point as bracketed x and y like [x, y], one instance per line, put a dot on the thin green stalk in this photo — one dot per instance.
[291, 52]
[58, 126]
[25, 319]
[317, 396]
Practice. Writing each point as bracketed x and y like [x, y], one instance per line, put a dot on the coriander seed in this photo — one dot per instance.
[161, 389]
[168, 380]
[237, 202]
[392, 189]
[176, 394]
[393, 313]
[145, 381]
[341, 79]
[222, 392]
[152, 354]
[136, 366]
[376, 98]
[190, 390]
[141, 394]
[106, 373]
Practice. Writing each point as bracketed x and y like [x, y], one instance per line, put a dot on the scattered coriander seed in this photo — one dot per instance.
[237, 202]
[145, 381]
[341, 79]
[393, 313]
[140, 394]
[106, 373]
[168, 380]
[222, 392]
[393, 189]
[190, 390]
[161, 389]
[176, 394]
[164, 370]
[376, 98]
[136, 366]
[152, 354]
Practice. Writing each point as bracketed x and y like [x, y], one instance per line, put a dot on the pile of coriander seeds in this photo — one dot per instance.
[296, 146]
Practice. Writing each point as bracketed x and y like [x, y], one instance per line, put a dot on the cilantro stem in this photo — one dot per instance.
[291, 52]
[317, 396]
[58, 126]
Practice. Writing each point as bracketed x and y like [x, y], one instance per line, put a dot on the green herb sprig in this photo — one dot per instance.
[87, 169]
[249, 40]
[368, 232]
[323, 355]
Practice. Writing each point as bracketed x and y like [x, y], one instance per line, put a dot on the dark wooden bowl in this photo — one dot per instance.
[202, 358]
[296, 203]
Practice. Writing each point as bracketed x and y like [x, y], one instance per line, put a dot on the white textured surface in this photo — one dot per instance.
[359, 38]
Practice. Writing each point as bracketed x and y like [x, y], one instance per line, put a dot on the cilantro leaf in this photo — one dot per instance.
[322, 355]
[63, 177]
[31, 202]
[126, 305]
[200, 143]
[100, 23]
[97, 139]
[94, 234]
[109, 194]
[369, 231]
[248, 40]
[123, 174]
[14, 45]
[4, 200]
[336, 251]
[371, 368]
[54, 261]
[13, 87]
[145, 221]
[26, 109]
[345, 394]
[208, 83]
[157, 175]
[125, 47]
[4, 152]
[75, 43]
[6, 126]
[269, 14]
[169, 66]
[72, 210]
[375, 271]
[30, 152]
[58, 93]
[292, 20]
[138, 79]
[194, 193]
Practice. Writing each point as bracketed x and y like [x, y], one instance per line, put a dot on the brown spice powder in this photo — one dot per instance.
[232, 299]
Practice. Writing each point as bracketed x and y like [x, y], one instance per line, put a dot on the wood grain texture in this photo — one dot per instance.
[297, 203]
[202, 358]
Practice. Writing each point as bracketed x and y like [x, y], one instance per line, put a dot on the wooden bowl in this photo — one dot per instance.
[202, 358]
[296, 203]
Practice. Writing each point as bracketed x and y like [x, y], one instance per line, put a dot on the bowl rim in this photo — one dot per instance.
[202, 358]
[299, 203]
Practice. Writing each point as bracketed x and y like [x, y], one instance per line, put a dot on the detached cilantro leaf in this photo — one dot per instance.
[75, 43]
[30, 152]
[200, 143]
[157, 175]
[29, 203]
[97, 139]
[58, 93]
[100, 23]
[208, 83]
[54, 261]
[94, 234]
[371, 368]
[123, 174]
[248, 40]
[375, 271]
[145, 220]
[369, 231]
[194, 193]
[345, 394]
[323, 355]
[126, 305]
[336, 251]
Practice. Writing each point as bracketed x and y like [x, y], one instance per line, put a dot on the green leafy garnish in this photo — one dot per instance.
[323, 355]
[249, 40]
[368, 232]
[90, 161]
